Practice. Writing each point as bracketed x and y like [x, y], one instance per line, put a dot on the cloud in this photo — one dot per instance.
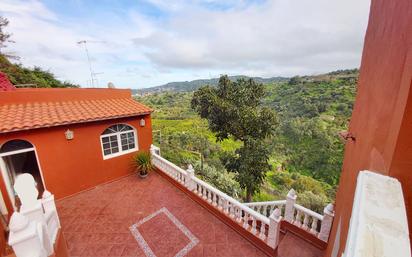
[153, 42]
[277, 37]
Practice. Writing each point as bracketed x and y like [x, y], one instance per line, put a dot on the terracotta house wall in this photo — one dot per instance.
[70, 166]
[381, 119]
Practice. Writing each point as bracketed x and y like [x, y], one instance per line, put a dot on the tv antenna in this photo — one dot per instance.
[93, 74]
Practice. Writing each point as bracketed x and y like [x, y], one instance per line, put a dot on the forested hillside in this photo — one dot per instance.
[190, 86]
[306, 150]
[30, 77]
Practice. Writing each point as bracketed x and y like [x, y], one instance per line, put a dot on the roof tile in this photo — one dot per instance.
[16, 117]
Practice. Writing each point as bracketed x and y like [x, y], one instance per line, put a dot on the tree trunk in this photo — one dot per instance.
[249, 195]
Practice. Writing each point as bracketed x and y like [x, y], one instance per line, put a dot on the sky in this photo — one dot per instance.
[143, 43]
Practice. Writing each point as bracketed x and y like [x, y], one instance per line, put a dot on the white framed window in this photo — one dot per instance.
[117, 140]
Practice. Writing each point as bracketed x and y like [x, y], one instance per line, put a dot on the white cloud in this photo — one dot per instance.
[201, 38]
[277, 38]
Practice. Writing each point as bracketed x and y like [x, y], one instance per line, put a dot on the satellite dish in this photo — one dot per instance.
[110, 85]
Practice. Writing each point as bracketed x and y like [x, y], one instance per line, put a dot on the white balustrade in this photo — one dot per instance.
[267, 208]
[306, 219]
[251, 220]
[259, 218]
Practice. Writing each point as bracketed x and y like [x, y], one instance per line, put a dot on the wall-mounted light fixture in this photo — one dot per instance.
[69, 134]
[142, 123]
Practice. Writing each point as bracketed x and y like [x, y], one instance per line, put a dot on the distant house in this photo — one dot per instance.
[69, 139]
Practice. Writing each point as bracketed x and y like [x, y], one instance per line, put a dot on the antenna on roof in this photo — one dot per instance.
[93, 74]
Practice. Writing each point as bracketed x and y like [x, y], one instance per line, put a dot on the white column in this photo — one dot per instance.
[290, 206]
[32, 208]
[49, 205]
[328, 214]
[51, 216]
[26, 237]
[154, 150]
[274, 228]
[190, 184]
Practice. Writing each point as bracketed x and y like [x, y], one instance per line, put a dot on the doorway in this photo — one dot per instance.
[18, 157]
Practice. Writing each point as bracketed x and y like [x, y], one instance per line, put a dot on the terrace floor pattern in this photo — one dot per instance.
[135, 217]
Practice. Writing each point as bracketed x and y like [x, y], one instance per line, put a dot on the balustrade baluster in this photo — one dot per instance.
[314, 226]
[253, 225]
[214, 200]
[232, 211]
[246, 220]
[297, 221]
[262, 234]
[239, 214]
[219, 202]
[265, 210]
[225, 206]
[204, 193]
[305, 222]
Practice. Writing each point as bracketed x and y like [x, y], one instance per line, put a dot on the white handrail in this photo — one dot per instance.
[309, 212]
[278, 202]
[233, 201]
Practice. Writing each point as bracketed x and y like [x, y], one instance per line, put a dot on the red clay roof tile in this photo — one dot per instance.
[30, 115]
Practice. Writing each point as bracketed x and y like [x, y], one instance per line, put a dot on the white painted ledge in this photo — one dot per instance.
[378, 225]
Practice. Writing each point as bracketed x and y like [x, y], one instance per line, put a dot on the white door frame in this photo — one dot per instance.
[5, 173]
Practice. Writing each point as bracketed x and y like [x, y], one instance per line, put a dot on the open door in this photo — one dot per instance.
[18, 157]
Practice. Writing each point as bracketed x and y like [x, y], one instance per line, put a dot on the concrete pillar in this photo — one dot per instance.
[328, 215]
[274, 228]
[190, 184]
[290, 206]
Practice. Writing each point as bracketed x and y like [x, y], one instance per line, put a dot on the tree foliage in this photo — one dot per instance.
[234, 109]
[305, 150]
[4, 36]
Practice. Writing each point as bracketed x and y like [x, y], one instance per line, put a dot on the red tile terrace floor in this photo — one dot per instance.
[96, 223]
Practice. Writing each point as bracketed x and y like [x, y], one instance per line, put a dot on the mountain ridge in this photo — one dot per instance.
[188, 86]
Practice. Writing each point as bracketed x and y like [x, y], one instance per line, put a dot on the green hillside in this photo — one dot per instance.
[35, 77]
[190, 86]
[306, 150]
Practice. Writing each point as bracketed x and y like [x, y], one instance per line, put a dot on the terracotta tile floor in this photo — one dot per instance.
[293, 246]
[96, 222]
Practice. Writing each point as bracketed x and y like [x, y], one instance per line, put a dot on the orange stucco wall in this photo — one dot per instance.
[381, 120]
[70, 166]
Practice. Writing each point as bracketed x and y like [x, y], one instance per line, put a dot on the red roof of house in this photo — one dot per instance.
[25, 109]
[5, 84]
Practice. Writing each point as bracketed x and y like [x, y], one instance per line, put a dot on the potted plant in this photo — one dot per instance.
[143, 162]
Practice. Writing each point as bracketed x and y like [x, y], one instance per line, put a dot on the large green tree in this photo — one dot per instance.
[234, 109]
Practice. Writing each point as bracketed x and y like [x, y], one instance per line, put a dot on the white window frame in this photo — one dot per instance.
[119, 142]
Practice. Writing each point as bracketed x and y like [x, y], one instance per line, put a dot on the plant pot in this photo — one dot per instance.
[143, 175]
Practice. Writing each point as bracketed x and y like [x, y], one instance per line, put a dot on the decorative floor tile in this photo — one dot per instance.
[145, 246]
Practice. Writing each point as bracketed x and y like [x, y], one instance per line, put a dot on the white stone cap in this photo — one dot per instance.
[378, 225]
[46, 194]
